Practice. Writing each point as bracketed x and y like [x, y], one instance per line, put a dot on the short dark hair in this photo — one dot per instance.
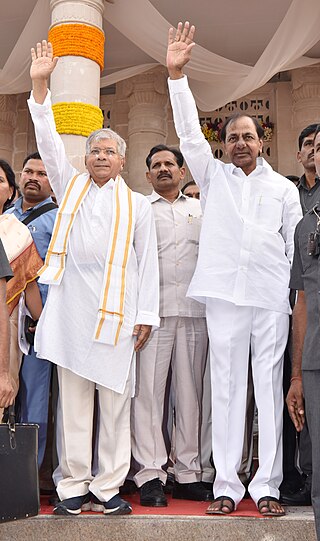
[190, 183]
[11, 178]
[317, 130]
[159, 148]
[293, 178]
[236, 116]
[33, 156]
[309, 130]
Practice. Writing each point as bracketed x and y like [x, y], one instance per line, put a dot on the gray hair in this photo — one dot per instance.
[106, 133]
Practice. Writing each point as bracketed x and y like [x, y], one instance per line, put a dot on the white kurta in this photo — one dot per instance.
[246, 242]
[66, 327]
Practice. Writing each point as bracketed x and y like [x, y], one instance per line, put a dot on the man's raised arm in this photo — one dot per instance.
[185, 114]
[49, 142]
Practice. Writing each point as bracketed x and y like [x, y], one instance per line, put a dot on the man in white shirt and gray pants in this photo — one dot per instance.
[243, 270]
[181, 341]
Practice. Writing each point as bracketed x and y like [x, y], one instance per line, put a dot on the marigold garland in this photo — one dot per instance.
[77, 118]
[78, 40]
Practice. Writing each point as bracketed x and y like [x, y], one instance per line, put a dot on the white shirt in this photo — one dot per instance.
[246, 242]
[66, 327]
[178, 230]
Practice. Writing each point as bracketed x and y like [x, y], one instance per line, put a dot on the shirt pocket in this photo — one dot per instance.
[193, 226]
[268, 212]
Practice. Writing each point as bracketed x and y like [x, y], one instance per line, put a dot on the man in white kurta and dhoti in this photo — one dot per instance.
[242, 274]
[102, 267]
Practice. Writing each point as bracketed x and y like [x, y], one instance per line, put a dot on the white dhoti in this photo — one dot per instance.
[232, 331]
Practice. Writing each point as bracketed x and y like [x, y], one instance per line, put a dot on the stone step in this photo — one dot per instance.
[297, 525]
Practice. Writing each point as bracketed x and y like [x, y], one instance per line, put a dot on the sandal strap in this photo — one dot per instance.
[223, 499]
[267, 499]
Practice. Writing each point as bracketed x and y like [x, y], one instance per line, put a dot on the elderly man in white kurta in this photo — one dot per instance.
[103, 299]
[246, 247]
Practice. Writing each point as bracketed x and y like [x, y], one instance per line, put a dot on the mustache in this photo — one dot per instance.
[163, 174]
[33, 182]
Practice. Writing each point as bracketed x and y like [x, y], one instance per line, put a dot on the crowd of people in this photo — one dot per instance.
[163, 315]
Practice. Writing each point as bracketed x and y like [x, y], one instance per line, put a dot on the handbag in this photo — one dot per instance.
[19, 486]
[29, 322]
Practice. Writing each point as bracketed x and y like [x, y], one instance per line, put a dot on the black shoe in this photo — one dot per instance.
[54, 499]
[115, 506]
[301, 497]
[207, 485]
[168, 487]
[73, 506]
[128, 487]
[152, 495]
[292, 482]
[191, 491]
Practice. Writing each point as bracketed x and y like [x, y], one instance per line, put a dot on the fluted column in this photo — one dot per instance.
[7, 125]
[306, 97]
[77, 76]
[147, 122]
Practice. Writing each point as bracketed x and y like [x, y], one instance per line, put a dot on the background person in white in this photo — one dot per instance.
[181, 342]
[65, 334]
[246, 246]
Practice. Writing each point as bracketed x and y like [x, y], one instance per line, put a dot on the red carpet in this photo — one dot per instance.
[175, 507]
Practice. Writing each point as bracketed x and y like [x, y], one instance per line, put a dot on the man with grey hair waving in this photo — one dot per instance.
[102, 269]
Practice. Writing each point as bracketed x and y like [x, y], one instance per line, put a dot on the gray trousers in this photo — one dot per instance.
[182, 343]
[311, 386]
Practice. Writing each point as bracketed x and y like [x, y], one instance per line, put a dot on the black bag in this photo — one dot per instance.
[29, 322]
[19, 481]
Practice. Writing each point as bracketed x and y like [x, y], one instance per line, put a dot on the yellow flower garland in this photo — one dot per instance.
[78, 40]
[77, 118]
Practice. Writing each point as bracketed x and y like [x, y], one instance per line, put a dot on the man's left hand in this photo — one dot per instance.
[142, 332]
[295, 403]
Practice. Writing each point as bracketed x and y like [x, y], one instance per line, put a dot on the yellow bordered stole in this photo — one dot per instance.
[110, 314]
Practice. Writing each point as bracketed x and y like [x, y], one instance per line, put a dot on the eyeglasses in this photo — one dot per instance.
[110, 152]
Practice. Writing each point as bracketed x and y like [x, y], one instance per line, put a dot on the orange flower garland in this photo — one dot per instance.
[78, 40]
[77, 118]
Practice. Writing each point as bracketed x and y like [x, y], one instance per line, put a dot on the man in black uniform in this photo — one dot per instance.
[309, 191]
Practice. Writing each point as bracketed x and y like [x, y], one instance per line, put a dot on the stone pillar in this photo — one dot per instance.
[286, 139]
[306, 98]
[7, 126]
[147, 122]
[76, 78]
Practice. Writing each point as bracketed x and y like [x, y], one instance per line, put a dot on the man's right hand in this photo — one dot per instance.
[7, 392]
[180, 44]
[43, 64]
[43, 61]
[295, 403]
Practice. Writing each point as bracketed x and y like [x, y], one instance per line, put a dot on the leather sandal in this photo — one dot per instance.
[266, 503]
[224, 503]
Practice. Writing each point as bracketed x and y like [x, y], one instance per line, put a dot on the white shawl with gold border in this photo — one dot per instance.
[111, 305]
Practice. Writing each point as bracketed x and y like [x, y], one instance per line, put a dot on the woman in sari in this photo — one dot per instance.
[25, 263]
